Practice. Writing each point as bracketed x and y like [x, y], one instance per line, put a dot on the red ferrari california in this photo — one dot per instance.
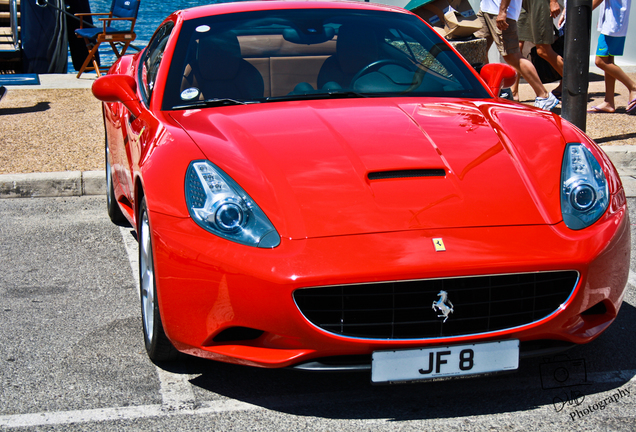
[329, 185]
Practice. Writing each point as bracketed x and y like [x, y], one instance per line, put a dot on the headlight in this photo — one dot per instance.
[219, 205]
[584, 190]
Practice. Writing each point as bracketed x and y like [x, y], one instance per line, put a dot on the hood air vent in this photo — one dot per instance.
[412, 173]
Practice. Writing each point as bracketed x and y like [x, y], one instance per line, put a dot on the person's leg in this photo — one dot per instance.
[618, 74]
[544, 100]
[511, 53]
[607, 48]
[608, 104]
[515, 86]
[541, 28]
[546, 52]
[508, 45]
[526, 69]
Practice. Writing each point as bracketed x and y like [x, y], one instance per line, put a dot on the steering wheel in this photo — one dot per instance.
[372, 67]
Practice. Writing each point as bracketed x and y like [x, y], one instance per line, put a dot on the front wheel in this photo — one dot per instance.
[158, 345]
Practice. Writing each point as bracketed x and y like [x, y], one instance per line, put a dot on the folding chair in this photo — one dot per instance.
[120, 10]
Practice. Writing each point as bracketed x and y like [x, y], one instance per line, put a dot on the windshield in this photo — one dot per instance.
[276, 55]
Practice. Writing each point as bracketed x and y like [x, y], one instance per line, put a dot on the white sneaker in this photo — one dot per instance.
[546, 103]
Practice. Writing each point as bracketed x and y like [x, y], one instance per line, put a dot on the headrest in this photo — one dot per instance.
[356, 47]
[219, 56]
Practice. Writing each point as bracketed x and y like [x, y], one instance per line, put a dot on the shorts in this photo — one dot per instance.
[507, 42]
[610, 45]
[535, 22]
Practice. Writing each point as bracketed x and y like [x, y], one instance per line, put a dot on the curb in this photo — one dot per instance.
[54, 184]
[623, 157]
[77, 183]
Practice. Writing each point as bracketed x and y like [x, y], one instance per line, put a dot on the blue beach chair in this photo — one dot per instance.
[117, 29]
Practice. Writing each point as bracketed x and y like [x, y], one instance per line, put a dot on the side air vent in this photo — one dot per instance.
[413, 173]
[237, 334]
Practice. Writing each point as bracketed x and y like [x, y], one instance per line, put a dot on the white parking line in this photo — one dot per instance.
[132, 248]
[119, 413]
[176, 391]
[631, 279]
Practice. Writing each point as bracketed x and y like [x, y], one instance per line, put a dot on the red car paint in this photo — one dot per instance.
[306, 163]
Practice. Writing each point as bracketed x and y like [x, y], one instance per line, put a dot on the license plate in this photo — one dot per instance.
[445, 361]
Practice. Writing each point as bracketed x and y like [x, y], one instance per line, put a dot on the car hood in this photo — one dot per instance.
[343, 167]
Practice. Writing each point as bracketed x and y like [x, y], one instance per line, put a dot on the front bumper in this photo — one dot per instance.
[209, 288]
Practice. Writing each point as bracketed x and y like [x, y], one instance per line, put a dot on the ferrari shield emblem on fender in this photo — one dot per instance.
[439, 245]
[441, 306]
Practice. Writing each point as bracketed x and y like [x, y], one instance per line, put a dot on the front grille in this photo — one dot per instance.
[403, 310]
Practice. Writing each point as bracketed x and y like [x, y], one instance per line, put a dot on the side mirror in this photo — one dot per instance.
[497, 76]
[118, 88]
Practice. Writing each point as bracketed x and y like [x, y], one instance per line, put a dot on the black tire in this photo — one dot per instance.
[158, 346]
[114, 212]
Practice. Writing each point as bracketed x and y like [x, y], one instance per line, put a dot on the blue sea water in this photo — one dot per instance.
[151, 14]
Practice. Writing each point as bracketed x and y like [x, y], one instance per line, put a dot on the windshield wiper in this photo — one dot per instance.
[318, 95]
[215, 102]
[346, 94]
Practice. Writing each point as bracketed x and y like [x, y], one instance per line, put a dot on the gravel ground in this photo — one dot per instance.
[50, 130]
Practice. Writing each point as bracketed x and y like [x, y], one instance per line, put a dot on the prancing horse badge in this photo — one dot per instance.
[439, 245]
[441, 306]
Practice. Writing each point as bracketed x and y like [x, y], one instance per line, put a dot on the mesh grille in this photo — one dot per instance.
[403, 310]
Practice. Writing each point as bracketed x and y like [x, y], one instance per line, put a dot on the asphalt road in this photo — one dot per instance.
[72, 356]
